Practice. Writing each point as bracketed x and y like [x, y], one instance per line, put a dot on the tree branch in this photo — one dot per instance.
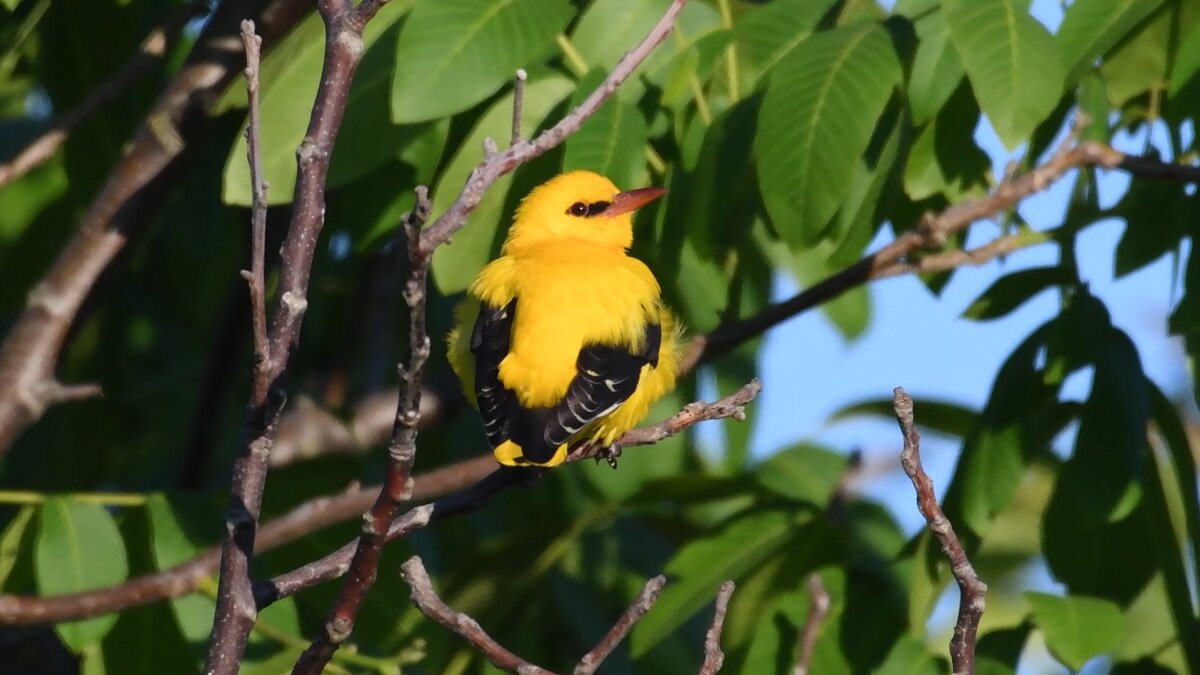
[518, 102]
[256, 276]
[427, 600]
[397, 486]
[151, 51]
[971, 590]
[235, 607]
[133, 191]
[641, 604]
[714, 658]
[818, 607]
[474, 497]
[495, 166]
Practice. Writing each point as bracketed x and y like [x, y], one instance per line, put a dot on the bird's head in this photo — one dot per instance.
[578, 205]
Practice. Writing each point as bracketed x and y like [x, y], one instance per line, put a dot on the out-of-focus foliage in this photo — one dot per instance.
[788, 133]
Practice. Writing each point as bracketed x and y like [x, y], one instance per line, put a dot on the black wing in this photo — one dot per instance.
[605, 378]
[490, 341]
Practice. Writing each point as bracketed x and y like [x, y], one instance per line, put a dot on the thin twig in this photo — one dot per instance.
[476, 496]
[641, 604]
[518, 101]
[236, 611]
[256, 276]
[714, 658]
[151, 51]
[398, 485]
[818, 607]
[426, 599]
[972, 591]
[492, 168]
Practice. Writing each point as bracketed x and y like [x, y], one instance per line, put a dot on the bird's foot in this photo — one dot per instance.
[610, 454]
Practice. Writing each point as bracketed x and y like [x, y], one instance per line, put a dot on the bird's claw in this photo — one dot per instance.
[610, 454]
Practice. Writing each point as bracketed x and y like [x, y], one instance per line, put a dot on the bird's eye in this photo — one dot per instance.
[578, 209]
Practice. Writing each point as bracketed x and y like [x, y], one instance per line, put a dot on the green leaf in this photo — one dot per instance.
[718, 186]
[855, 223]
[603, 33]
[1013, 290]
[941, 416]
[936, 69]
[1014, 67]
[909, 656]
[13, 540]
[700, 566]
[767, 34]
[817, 118]
[1076, 628]
[452, 55]
[457, 263]
[999, 651]
[78, 549]
[611, 142]
[1091, 27]
[803, 472]
[945, 159]
[146, 640]
[367, 135]
[1187, 62]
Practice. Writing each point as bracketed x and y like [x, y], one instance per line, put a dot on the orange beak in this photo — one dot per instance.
[632, 200]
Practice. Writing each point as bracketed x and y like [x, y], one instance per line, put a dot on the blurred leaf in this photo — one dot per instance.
[1157, 216]
[146, 640]
[803, 472]
[1091, 27]
[1014, 67]
[1013, 290]
[703, 563]
[367, 135]
[1076, 628]
[1187, 62]
[1167, 422]
[717, 187]
[999, 651]
[278, 664]
[78, 549]
[941, 416]
[457, 263]
[936, 69]
[767, 34]
[1141, 61]
[909, 656]
[817, 117]
[12, 542]
[611, 142]
[944, 158]
[452, 55]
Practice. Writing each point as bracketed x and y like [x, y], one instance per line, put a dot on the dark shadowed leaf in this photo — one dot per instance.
[936, 68]
[1013, 290]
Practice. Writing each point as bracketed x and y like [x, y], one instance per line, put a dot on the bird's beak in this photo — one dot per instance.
[631, 200]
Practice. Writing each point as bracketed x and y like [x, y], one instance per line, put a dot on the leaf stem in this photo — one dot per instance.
[574, 59]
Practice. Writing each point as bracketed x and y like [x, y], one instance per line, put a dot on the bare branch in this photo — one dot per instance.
[972, 591]
[398, 485]
[518, 101]
[432, 606]
[714, 658]
[494, 167]
[641, 604]
[151, 51]
[256, 276]
[818, 607]
[236, 611]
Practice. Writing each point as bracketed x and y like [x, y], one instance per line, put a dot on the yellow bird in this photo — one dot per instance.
[571, 340]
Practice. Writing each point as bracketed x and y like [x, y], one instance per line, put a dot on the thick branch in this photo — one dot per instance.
[641, 604]
[235, 608]
[397, 486]
[426, 599]
[151, 51]
[714, 658]
[971, 589]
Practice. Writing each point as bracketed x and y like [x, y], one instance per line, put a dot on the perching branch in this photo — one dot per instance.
[518, 102]
[497, 165]
[151, 51]
[641, 604]
[474, 497]
[714, 658]
[818, 607]
[971, 590]
[236, 612]
[397, 486]
[426, 599]
[129, 198]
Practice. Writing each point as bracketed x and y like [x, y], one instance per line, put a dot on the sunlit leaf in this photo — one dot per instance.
[1091, 27]
[1076, 628]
